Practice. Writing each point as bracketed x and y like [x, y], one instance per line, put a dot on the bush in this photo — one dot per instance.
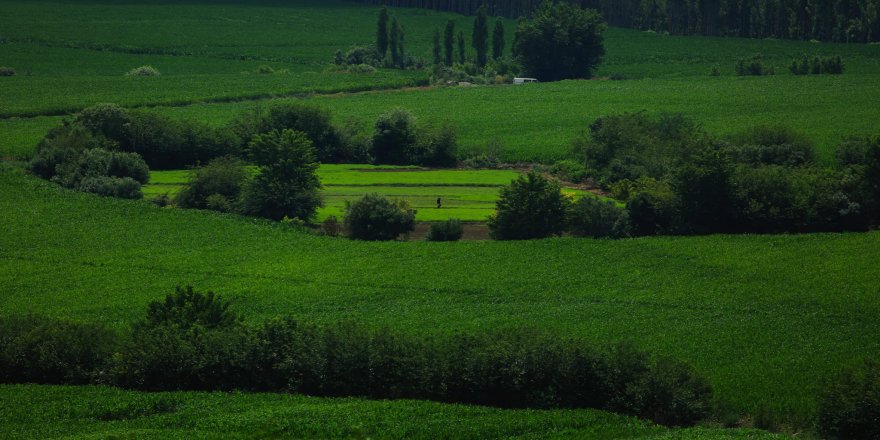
[704, 190]
[449, 230]
[331, 226]
[222, 178]
[314, 121]
[570, 171]
[287, 184]
[288, 356]
[165, 143]
[40, 350]
[123, 188]
[107, 120]
[530, 207]
[186, 308]
[437, 147]
[63, 145]
[753, 66]
[591, 217]
[394, 139]
[143, 71]
[849, 405]
[652, 210]
[772, 145]
[7, 71]
[373, 217]
[97, 162]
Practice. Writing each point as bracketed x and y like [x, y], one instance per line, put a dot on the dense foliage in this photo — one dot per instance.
[530, 207]
[560, 41]
[449, 230]
[373, 217]
[215, 186]
[287, 184]
[191, 341]
[849, 404]
[838, 20]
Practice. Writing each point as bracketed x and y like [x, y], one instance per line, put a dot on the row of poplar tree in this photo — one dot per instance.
[826, 20]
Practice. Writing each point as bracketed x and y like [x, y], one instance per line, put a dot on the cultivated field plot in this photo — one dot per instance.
[48, 412]
[468, 195]
[765, 318]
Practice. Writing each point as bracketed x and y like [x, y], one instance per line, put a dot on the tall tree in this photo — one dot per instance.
[401, 52]
[562, 41]
[480, 37]
[462, 55]
[395, 41]
[498, 39]
[438, 51]
[449, 42]
[382, 33]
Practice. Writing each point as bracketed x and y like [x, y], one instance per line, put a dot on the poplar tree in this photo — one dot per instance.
[480, 37]
[395, 40]
[438, 51]
[462, 57]
[498, 40]
[449, 42]
[382, 33]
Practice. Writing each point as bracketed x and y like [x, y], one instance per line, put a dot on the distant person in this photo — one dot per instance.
[439, 204]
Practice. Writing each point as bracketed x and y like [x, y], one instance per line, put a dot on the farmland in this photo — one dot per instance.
[467, 195]
[765, 318]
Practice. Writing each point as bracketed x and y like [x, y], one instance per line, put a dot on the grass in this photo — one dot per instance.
[765, 318]
[29, 411]
[467, 195]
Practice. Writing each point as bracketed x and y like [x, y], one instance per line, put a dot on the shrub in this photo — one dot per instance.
[705, 193]
[849, 404]
[715, 71]
[40, 350]
[98, 162]
[373, 217]
[186, 308]
[314, 121]
[652, 210]
[120, 187]
[7, 71]
[289, 356]
[143, 71]
[222, 179]
[287, 184]
[591, 217]
[265, 70]
[530, 207]
[394, 139]
[165, 143]
[570, 171]
[449, 230]
[437, 147]
[331, 226]
[63, 145]
[753, 66]
[772, 145]
[107, 120]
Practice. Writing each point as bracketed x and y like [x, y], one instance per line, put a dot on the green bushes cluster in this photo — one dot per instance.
[830, 65]
[398, 140]
[530, 207]
[216, 186]
[7, 71]
[849, 404]
[449, 230]
[373, 217]
[192, 341]
[753, 66]
[677, 179]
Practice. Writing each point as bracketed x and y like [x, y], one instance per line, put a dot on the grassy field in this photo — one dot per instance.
[29, 411]
[763, 317]
[467, 195]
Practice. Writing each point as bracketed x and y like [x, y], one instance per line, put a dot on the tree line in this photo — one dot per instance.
[850, 21]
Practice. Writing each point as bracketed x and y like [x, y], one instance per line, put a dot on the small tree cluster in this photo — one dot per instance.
[375, 218]
[398, 140]
[194, 341]
[753, 66]
[830, 65]
[7, 71]
[449, 230]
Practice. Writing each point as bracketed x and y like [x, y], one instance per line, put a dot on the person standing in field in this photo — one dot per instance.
[438, 203]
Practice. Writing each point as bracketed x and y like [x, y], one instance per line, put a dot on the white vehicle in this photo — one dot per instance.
[524, 80]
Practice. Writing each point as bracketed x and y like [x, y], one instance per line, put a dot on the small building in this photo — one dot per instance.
[524, 80]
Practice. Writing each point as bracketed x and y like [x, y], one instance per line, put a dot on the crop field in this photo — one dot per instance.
[467, 195]
[54, 412]
[764, 317]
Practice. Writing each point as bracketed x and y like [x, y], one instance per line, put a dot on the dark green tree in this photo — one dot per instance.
[373, 217]
[394, 138]
[382, 33]
[480, 36]
[462, 55]
[498, 39]
[395, 41]
[530, 207]
[287, 184]
[438, 51]
[449, 42]
[704, 187]
[561, 41]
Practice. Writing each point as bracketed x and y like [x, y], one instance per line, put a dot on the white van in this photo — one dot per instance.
[524, 80]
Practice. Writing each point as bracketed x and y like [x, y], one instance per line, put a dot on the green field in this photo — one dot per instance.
[28, 411]
[763, 317]
[467, 195]
[766, 318]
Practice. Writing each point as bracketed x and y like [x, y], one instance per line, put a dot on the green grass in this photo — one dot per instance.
[467, 195]
[29, 411]
[765, 318]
